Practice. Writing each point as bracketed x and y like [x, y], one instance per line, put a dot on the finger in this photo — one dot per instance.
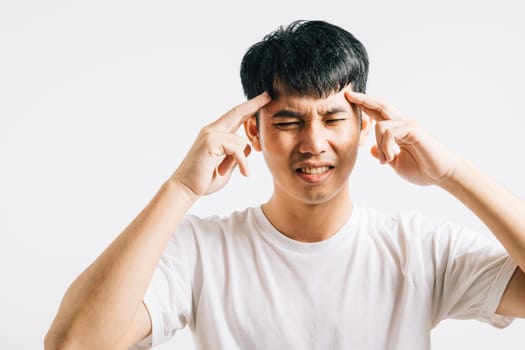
[389, 147]
[379, 110]
[233, 119]
[379, 142]
[225, 166]
[235, 149]
[231, 161]
[388, 134]
[374, 115]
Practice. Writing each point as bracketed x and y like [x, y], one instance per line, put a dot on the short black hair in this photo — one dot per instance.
[305, 58]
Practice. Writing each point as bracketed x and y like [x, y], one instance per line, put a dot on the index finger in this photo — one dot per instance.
[380, 110]
[233, 119]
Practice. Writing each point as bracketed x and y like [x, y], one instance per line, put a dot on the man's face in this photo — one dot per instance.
[309, 144]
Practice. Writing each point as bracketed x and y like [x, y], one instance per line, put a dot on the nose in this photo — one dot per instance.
[313, 138]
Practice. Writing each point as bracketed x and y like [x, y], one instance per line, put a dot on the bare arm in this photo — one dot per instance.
[103, 307]
[421, 159]
[504, 215]
[101, 304]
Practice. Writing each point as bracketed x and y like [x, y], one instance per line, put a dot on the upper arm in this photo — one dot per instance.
[512, 302]
[140, 328]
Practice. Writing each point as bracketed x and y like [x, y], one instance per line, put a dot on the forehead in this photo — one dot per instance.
[307, 103]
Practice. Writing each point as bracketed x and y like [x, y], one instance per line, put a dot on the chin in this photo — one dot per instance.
[316, 198]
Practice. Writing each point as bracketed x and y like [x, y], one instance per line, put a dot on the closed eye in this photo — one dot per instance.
[335, 121]
[287, 125]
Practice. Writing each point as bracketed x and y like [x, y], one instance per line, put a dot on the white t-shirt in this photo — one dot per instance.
[381, 282]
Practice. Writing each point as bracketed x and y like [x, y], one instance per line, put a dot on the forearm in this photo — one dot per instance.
[100, 304]
[499, 209]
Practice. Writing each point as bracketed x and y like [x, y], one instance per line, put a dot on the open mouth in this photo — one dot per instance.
[314, 170]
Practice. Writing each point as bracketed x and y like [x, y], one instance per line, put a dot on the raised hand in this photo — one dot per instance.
[400, 142]
[218, 150]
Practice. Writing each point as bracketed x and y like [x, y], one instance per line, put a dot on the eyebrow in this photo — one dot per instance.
[337, 109]
[287, 113]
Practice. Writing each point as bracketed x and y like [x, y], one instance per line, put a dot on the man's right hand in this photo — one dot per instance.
[103, 308]
[218, 150]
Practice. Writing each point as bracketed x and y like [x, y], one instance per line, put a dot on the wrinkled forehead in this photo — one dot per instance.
[307, 103]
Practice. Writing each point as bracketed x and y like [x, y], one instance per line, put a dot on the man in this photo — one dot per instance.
[308, 269]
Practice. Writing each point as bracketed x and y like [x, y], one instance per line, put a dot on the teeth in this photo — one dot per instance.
[318, 170]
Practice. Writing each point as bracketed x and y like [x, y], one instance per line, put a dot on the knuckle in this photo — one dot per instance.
[207, 130]
[380, 127]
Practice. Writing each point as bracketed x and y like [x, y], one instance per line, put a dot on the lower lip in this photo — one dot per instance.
[314, 178]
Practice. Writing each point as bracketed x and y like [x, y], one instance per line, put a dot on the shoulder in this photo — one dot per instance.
[236, 219]
[413, 225]
[216, 228]
[196, 235]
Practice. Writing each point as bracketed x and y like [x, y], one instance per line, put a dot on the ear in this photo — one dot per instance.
[250, 127]
[366, 126]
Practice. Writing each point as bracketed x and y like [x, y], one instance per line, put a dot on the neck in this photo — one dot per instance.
[307, 222]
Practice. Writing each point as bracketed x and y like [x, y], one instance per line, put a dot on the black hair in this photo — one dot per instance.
[305, 58]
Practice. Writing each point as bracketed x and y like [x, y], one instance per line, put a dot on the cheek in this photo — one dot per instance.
[346, 137]
[273, 140]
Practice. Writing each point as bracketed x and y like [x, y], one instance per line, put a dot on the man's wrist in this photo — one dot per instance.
[459, 177]
[180, 190]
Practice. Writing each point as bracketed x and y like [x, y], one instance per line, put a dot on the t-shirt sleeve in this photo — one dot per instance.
[470, 274]
[169, 295]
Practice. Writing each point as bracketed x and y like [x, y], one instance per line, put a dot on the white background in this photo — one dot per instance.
[99, 101]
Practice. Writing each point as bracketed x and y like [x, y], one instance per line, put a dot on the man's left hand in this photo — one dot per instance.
[400, 142]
